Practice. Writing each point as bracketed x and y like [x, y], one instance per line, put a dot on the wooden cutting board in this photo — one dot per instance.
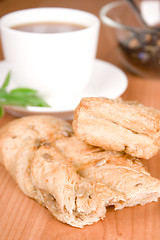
[21, 218]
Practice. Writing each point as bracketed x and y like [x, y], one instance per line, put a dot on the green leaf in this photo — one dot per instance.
[9, 100]
[18, 100]
[37, 101]
[19, 97]
[1, 111]
[6, 81]
[23, 91]
[2, 91]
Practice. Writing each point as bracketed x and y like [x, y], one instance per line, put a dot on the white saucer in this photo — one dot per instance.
[106, 81]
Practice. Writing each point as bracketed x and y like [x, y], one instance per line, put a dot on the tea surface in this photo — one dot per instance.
[48, 27]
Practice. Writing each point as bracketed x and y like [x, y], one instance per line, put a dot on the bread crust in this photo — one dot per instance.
[74, 180]
[117, 170]
[118, 125]
[29, 154]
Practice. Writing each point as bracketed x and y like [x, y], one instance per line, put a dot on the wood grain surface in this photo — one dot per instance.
[21, 218]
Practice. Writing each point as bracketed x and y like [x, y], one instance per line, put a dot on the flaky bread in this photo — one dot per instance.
[118, 171]
[119, 126]
[41, 128]
[70, 198]
[28, 152]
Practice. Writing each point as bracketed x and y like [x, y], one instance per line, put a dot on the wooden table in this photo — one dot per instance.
[22, 218]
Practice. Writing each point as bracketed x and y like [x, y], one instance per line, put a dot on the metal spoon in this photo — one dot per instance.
[137, 12]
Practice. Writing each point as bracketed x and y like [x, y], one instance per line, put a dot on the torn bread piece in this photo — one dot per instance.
[139, 188]
[45, 175]
[80, 154]
[119, 126]
[70, 198]
[118, 170]
[15, 133]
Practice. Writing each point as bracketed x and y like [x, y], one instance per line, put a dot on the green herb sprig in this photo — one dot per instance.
[19, 97]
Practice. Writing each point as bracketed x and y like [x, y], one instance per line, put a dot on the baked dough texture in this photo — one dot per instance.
[29, 154]
[119, 126]
[74, 180]
[119, 171]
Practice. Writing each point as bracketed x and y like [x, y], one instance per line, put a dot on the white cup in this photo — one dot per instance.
[55, 64]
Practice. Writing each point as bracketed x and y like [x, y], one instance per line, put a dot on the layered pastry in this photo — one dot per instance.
[119, 126]
[28, 152]
[78, 175]
[119, 171]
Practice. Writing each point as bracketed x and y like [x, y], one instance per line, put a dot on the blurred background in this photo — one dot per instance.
[106, 53]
